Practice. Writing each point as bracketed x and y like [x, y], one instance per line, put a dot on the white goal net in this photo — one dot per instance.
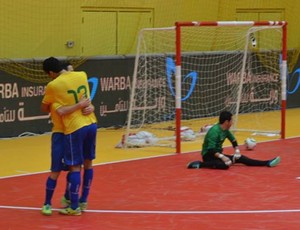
[233, 66]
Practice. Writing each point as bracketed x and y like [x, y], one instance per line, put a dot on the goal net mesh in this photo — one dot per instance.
[32, 69]
[235, 68]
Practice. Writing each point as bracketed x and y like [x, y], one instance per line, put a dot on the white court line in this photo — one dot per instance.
[166, 212]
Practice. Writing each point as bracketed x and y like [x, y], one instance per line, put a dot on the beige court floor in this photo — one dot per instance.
[25, 155]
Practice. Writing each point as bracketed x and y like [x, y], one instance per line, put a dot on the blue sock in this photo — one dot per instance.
[87, 181]
[50, 187]
[74, 185]
[67, 191]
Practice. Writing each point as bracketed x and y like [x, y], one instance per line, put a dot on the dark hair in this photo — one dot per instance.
[65, 65]
[52, 64]
[225, 116]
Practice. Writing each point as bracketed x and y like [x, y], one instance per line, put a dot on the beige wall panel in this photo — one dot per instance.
[99, 35]
[129, 25]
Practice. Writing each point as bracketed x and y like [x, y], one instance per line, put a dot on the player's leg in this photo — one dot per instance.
[65, 200]
[56, 167]
[209, 161]
[74, 185]
[73, 157]
[253, 162]
[88, 175]
[50, 187]
[89, 155]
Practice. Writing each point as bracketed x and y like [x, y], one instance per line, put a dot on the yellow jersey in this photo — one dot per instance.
[58, 126]
[67, 89]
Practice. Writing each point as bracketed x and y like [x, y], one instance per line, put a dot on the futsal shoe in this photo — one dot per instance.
[83, 206]
[70, 212]
[274, 162]
[194, 165]
[65, 202]
[46, 210]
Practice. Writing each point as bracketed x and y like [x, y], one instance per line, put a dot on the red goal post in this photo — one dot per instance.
[178, 75]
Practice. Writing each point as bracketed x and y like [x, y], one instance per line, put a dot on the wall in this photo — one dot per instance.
[33, 29]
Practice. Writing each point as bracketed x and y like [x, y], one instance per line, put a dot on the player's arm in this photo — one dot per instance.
[47, 99]
[237, 153]
[232, 139]
[234, 142]
[45, 108]
[88, 110]
[224, 158]
[63, 110]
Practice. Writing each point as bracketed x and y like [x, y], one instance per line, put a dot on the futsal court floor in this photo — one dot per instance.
[144, 189]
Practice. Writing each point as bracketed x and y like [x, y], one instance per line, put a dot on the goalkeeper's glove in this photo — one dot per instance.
[236, 155]
[225, 159]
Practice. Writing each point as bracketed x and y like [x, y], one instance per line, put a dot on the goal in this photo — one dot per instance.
[185, 75]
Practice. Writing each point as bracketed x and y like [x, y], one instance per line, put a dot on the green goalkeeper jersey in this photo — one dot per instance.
[215, 138]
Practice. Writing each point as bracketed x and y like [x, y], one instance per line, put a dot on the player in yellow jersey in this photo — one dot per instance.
[57, 150]
[80, 130]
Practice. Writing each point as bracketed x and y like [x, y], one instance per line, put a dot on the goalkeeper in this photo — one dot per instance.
[212, 150]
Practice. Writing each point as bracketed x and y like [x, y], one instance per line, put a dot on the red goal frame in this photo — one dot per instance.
[179, 25]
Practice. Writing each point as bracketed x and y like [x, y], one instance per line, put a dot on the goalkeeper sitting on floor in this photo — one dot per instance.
[212, 149]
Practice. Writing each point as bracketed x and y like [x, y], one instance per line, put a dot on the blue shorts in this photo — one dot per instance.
[57, 152]
[80, 145]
